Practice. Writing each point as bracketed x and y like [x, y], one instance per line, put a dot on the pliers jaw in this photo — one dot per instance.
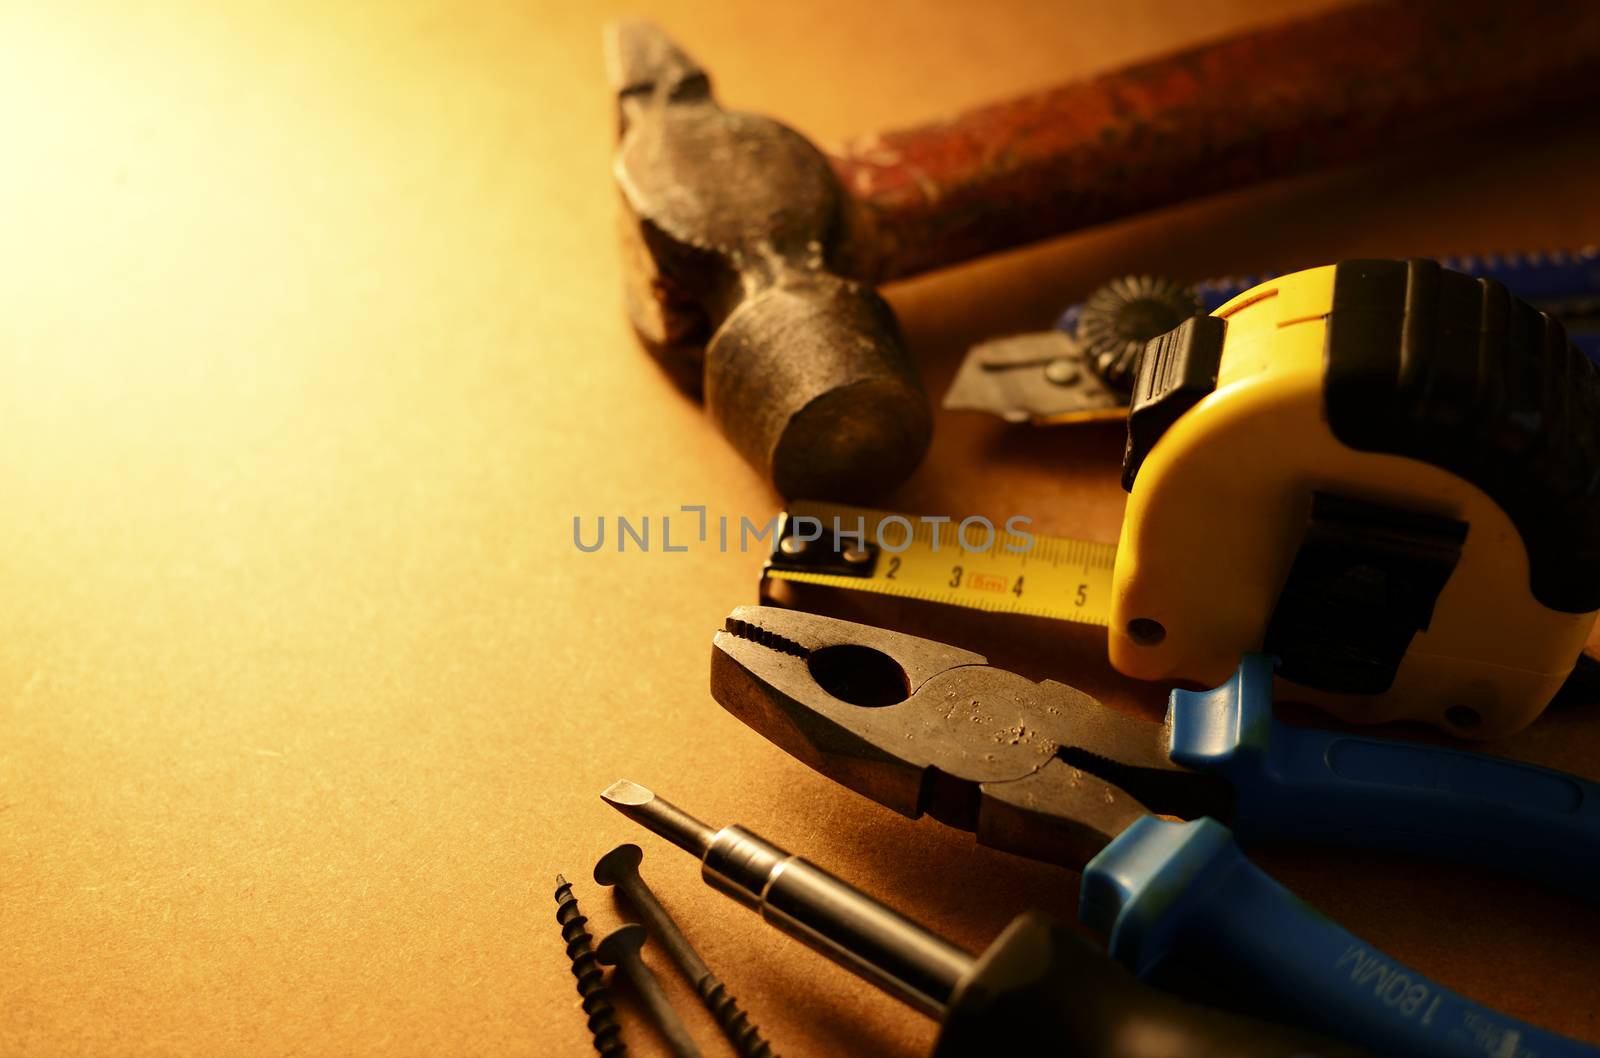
[927, 728]
[851, 724]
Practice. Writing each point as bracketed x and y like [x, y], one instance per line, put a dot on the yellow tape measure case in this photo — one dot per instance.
[1384, 472]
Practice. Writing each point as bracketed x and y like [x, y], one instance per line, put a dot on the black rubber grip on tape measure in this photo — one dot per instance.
[1455, 372]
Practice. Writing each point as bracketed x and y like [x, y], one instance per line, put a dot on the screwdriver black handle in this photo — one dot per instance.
[1041, 989]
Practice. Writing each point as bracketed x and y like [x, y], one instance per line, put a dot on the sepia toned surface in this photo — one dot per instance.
[311, 352]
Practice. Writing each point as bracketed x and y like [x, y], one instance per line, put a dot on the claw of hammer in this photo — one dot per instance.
[643, 63]
[729, 220]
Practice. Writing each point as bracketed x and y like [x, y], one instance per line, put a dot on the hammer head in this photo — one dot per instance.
[729, 223]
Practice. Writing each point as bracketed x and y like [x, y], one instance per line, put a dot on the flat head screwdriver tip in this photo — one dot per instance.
[652, 812]
[626, 792]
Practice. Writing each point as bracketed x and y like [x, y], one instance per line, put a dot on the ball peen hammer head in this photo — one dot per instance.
[729, 221]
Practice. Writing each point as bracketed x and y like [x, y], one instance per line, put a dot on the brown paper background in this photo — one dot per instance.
[311, 349]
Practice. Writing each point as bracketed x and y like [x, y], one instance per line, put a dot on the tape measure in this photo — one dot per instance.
[972, 562]
[1383, 472]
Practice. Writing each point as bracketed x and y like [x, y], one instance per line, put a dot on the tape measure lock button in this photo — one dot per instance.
[1176, 371]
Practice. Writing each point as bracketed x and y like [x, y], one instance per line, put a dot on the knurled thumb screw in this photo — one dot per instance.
[602, 1015]
[620, 868]
[620, 948]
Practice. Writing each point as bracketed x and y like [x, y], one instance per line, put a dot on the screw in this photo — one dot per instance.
[591, 984]
[856, 555]
[620, 867]
[793, 546]
[620, 948]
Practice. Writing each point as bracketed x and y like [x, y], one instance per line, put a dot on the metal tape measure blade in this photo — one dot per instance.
[977, 564]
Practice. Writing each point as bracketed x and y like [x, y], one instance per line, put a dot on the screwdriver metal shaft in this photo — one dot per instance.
[808, 903]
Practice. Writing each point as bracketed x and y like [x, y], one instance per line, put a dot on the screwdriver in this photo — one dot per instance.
[1040, 988]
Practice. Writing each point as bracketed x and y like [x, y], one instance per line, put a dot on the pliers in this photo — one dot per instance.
[1149, 813]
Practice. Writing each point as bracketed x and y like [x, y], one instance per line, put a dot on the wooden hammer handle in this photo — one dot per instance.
[1326, 90]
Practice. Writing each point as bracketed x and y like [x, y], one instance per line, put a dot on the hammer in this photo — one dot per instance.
[751, 255]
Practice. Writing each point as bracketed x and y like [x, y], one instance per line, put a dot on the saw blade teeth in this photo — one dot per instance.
[771, 640]
[1118, 319]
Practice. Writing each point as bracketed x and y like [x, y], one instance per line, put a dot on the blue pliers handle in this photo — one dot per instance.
[1169, 894]
[1565, 284]
[1043, 770]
